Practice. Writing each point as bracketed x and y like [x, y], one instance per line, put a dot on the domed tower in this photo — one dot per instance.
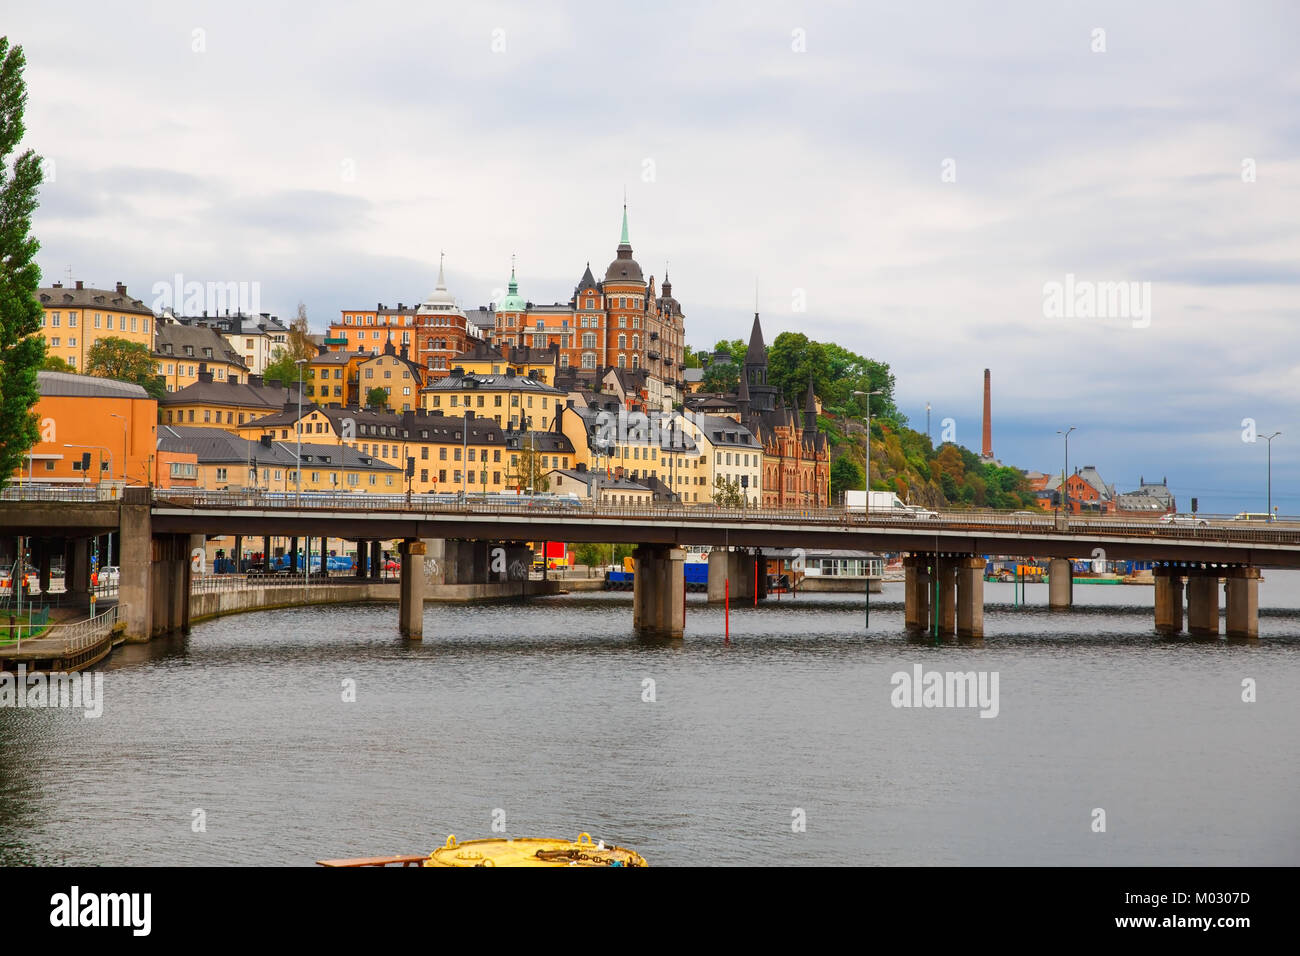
[625, 291]
[511, 312]
[440, 328]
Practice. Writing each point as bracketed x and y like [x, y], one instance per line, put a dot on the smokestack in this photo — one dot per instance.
[988, 417]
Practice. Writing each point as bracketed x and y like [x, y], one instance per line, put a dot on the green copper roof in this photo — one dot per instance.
[513, 302]
[625, 241]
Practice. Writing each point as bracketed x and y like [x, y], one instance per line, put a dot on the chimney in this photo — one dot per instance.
[582, 467]
[255, 381]
[469, 414]
[987, 450]
[266, 441]
[121, 289]
[204, 376]
[80, 284]
[273, 383]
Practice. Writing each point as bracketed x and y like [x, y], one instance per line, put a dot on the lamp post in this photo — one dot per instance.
[866, 482]
[1269, 439]
[123, 421]
[1065, 496]
[298, 463]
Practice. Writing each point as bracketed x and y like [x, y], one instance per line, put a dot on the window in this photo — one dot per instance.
[55, 319]
[72, 320]
[221, 474]
[55, 341]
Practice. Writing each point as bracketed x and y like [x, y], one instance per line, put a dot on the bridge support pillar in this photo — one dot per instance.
[1060, 584]
[945, 570]
[970, 599]
[135, 563]
[266, 551]
[76, 567]
[741, 572]
[239, 553]
[719, 568]
[42, 562]
[293, 554]
[362, 562]
[1203, 603]
[916, 593]
[410, 612]
[759, 574]
[1169, 600]
[659, 592]
[1243, 604]
[169, 590]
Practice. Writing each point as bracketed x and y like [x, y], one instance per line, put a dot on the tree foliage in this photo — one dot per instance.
[528, 473]
[836, 374]
[22, 350]
[846, 475]
[300, 343]
[125, 361]
[727, 493]
[53, 363]
[377, 396]
[721, 377]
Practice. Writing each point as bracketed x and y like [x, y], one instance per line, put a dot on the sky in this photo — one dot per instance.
[1096, 201]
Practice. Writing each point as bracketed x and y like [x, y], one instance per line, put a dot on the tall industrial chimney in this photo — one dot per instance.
[987, 451]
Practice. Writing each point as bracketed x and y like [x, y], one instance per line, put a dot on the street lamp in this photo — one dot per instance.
[1269, 439]
[298, 464]
[1065, 497]
[123, 421]
[866, 482]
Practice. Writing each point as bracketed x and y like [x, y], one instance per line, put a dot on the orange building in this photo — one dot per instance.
[96, 430]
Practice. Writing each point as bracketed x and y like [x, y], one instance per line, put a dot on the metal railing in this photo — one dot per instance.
[1217, 528]
[79, 635]
[43, 492]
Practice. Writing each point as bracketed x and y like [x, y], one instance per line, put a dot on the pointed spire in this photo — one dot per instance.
[442, 283]
[757, 353]
[810, 409]
[625, 241]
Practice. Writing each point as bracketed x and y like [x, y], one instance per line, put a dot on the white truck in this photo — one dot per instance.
[884, 503]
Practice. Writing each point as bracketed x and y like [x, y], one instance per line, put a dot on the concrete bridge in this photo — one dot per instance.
[944, 581]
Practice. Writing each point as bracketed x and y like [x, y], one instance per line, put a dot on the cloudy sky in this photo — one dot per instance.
[903, 179]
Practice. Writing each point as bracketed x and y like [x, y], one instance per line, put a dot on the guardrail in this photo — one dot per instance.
[38, 492]
[243, 582]
[1217, 528]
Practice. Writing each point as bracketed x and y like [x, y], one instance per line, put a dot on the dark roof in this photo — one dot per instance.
[173, 339]
[85, 386]
[717, 430]
[549, 442]
[470, 381]
[57, 296]
[588, 281]
[371, 424]
[215, 446]
[251, 393]
[237, 324]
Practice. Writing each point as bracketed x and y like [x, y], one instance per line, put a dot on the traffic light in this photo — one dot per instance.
[410, 466]
[85, 461]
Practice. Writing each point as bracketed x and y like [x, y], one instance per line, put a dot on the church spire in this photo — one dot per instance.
[810, 410]
[624, 240]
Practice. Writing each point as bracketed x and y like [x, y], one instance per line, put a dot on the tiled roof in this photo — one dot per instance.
[117, 300]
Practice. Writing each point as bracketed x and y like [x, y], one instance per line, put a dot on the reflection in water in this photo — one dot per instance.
[537, 709]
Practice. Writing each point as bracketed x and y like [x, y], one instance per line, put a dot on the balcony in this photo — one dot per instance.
[328, 340]
[653, 356]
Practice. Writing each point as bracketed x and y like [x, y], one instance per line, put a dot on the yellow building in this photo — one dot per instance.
[181, 352]
[485, 359]
[468, 453]
[75, 318]
[519, 402]
[397, 377]
[228, 462]
[613, 442]
[332, 377]
[225, 404]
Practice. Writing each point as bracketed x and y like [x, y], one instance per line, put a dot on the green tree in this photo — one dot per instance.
[22, 351]
[125, 361]
[55, 364]
[281, 368]
[377, 396]
[721, 377]
[528, 471]
[727, 493]
[846, 475]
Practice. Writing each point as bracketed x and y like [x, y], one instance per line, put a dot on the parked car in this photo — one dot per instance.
[1181, 519]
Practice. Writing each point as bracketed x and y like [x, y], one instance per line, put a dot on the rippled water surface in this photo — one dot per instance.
[537, 710]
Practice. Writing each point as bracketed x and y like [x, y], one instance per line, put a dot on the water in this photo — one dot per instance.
[537, 710]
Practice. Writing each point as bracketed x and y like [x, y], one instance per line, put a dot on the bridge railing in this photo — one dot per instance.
[1216, 528]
